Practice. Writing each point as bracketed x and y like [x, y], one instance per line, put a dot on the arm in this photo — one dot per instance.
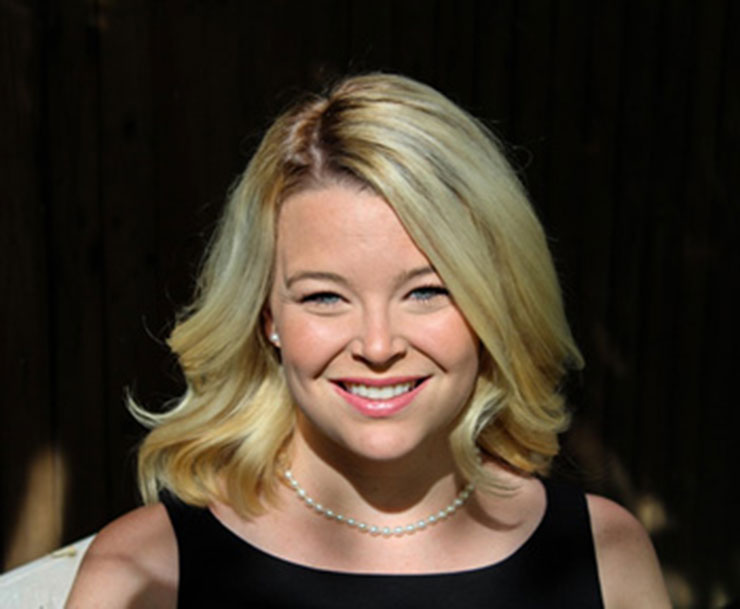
[629, 571]
[131, 564]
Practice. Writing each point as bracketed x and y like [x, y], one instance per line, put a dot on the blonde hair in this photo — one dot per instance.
[446, 178]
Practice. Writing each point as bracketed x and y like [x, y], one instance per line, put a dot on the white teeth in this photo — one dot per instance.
[378, 393]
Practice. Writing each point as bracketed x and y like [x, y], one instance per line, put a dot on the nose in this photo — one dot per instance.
[377, 342]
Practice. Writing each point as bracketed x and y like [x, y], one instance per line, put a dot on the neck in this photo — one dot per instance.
[422, 480]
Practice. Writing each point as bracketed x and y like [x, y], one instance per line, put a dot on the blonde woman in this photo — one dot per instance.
[373, 360]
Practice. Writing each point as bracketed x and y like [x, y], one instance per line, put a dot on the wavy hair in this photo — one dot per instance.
[448, 181]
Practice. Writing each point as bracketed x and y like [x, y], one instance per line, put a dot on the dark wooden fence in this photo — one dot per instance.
[124, 122]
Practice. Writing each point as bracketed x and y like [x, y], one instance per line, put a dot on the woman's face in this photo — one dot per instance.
[378, 358]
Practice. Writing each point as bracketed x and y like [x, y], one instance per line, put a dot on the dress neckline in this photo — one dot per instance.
[509, 561]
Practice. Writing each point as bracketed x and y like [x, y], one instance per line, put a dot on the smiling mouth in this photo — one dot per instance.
[380, 392]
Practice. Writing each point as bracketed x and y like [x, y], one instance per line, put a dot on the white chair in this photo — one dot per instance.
[45, 582]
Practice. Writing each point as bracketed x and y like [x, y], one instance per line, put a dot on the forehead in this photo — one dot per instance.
[342, 227]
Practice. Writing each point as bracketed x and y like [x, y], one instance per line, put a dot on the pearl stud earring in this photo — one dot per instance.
[275, 339]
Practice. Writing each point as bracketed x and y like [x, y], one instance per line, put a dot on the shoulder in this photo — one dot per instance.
[131, 563]
[629, 571]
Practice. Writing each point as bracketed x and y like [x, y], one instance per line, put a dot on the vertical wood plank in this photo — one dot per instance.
[586, 55]
[200, 94]
[532, 86]
[626, 273]
[370, 36]
[697, 252]
[454, 50]
[719, 418]
[414, 29]
[494, 65]
[76, 269]
[25, 420]
[129, 217]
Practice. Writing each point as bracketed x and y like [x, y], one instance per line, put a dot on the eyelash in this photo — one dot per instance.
[422, 294]
[430, 291]
[321, 298]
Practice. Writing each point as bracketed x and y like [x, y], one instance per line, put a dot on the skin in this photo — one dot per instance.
[131, 563]
[354, 298]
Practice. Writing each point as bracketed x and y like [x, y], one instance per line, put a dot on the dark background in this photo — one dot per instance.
[125, 122]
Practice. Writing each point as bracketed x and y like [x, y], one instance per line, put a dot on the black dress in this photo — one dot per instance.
[555, 567]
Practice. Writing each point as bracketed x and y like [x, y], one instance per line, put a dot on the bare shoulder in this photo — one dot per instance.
[628, 566]
[131, 563]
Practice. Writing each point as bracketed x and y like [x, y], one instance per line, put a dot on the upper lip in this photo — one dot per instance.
[379, 382]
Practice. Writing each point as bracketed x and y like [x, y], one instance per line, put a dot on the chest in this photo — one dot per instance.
[555, 567]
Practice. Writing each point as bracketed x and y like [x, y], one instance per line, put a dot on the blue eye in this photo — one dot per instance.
[322, 298]
[428, 292]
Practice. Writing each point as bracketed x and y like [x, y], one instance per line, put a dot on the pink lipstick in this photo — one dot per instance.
[377, 406]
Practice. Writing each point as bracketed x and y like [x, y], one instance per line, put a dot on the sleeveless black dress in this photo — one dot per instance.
[555, 567]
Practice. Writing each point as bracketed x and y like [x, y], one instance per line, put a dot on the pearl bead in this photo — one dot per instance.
[374, 529]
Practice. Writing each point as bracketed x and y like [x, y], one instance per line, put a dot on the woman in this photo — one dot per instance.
[373, 361]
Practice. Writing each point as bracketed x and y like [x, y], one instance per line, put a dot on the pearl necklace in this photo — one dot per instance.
[374, 529]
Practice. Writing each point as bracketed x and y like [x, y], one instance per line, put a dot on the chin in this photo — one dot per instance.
[374, 440]
[390, 446]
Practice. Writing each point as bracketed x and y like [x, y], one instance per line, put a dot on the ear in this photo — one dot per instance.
[268, 325]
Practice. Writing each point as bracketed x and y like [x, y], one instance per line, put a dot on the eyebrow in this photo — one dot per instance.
[334, 277]
[320, 275]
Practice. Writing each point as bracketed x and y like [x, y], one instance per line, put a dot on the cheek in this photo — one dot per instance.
[309, 344]
[451, 343]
